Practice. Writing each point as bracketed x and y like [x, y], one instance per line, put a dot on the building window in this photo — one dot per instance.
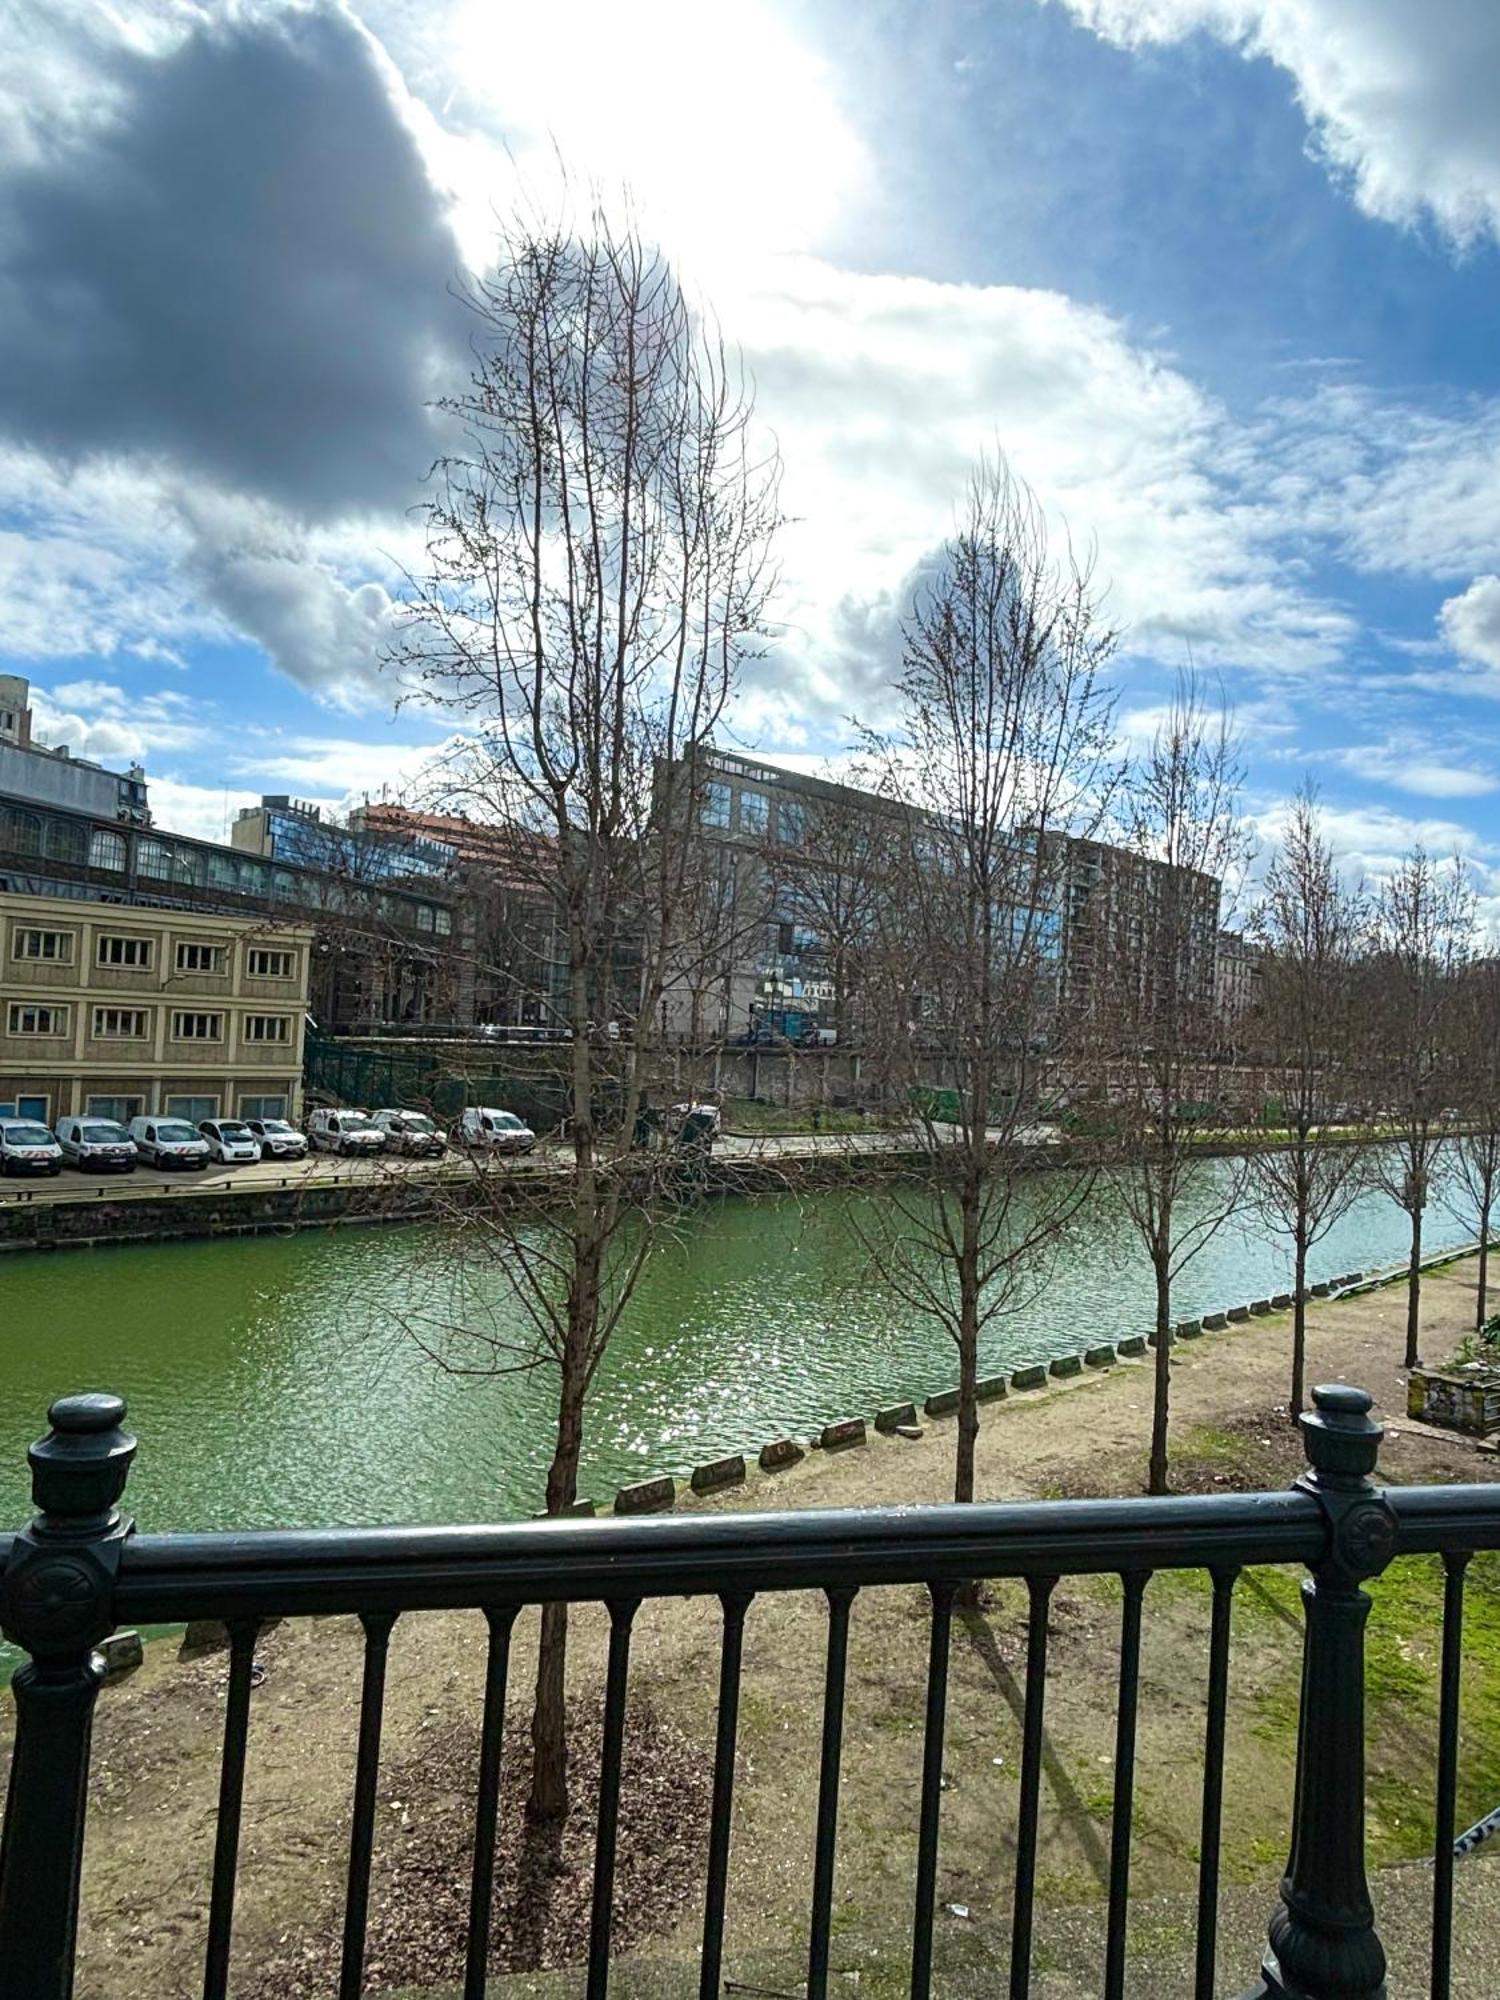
[716, 804]
[223, 872]
[200, 958]
[263, 1107]
[268, 1027]
[107, 850]
[26, 1019]
[121, 1024]
[154, 858]
[271, 964]
[20, 831]
[120, 1109]
[755, 812]
[133, 953]
[425, 915]
[190, 1027]
[443, 923]
[791, 822]
[56, 947]
[66, 842]
[193, 1109]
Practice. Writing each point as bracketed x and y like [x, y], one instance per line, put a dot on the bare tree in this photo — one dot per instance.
[1147, 919]
[1421, 939]
[597, 549]
[1312, 929]
[1476, 1151]
[1001, 758]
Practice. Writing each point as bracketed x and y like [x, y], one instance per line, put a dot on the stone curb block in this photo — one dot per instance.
[1321, 1291]
[647, 1496]
[1355, 1278]
[122, 1653]
[836, 1437]
[1034, 1377]
[718, 1472]
[1099, 1357]
[1066, 1364]
[781, 1452]
[1281, 1302]
[1133, 1343]
[202, 1636]
[1152, 1339]
[1189, 1329]
[1215, 1322]
[990, 1388]
[941, 1403]
[1238, 1313]
[892, 1419]
[1260, 1307]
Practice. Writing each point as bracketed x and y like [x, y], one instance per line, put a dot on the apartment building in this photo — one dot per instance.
[123, 1010]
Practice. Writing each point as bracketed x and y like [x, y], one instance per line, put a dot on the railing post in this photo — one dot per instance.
[1323, 1943]
[56, 1600]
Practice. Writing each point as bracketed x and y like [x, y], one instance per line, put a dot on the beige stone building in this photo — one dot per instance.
[122, 1009]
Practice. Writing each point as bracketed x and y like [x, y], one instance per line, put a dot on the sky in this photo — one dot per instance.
[1221, 278]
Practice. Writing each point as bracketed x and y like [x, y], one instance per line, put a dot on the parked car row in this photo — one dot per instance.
[351, 1131]
[100, 1145]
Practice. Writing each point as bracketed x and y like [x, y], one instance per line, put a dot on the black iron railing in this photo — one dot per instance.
[80, 1570]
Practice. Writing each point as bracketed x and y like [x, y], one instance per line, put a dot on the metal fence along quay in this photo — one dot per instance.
[81, 1570]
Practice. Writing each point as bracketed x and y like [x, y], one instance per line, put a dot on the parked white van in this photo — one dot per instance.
[97, 1145]
[484, 1127]
[230, 1140]
[279, 1140]
[343, 1131]
[168, 1142]
[27, 1147]
[410, 1132]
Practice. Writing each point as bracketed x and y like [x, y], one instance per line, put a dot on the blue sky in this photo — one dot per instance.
[1222, 277]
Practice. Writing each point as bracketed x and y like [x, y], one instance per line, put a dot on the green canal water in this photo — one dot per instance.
[276, 1382]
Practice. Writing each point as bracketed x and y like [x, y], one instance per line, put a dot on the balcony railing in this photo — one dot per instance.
[80, 1570]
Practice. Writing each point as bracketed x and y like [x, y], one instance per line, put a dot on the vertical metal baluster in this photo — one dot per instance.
[487, 1799]
[1447, 1773]
[621, 1617]
[242, 1636]
[366, 1779]
[1135, 1582]
[1040, 1589]
[932, 1788]
[1213, 1784]
[839, 1601]
[735, 1607]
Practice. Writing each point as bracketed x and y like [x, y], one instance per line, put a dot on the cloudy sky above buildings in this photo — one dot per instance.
[1222, 277]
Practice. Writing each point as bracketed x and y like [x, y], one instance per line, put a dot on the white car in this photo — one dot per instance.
[96, 1145]
[168, 1142]
[344, 1131]
[278, 1139]
[411, 1132]
[27, 1147]
[485, 1128]
[230, 1140]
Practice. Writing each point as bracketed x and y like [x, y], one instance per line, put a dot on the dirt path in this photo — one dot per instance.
[151, 1834]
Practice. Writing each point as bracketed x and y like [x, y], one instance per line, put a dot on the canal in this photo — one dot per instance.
[276, 1381]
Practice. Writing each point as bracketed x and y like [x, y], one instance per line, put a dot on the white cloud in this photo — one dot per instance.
[98, 720]
[1399, 95]
[1415, 767]
[1470, 622]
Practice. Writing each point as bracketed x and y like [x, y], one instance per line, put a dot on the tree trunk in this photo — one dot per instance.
[1414, 1293]
[1156, 1481]
[1299, 1323]
[1480, 1312]
[968, 1351]
[549, 1736]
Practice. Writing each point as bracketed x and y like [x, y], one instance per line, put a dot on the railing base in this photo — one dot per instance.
[1272, 1986]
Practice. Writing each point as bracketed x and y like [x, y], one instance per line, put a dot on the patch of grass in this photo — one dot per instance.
[751, 1118]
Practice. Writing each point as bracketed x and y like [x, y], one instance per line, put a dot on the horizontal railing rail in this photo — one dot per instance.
[80, 1570]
